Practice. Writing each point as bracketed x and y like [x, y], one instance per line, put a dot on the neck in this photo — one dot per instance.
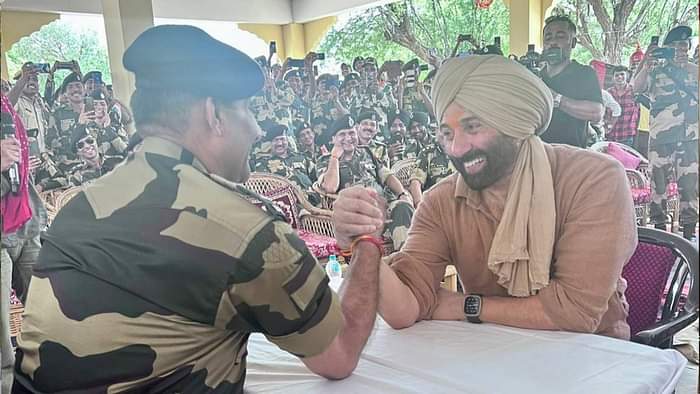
[77, 106]
[30, 96]
[553, 70]
[95, 162]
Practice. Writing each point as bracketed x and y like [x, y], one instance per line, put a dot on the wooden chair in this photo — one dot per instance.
[402, 169]
[641, 194]
[327, 199]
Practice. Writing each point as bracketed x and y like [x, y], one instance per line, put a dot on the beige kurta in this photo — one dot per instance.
[595, 237]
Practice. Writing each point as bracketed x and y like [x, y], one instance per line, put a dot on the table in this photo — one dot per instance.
[459, 357]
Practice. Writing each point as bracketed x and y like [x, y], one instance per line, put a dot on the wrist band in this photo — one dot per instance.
[374, 240]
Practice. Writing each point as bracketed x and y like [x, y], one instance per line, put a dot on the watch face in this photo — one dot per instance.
[472, 305]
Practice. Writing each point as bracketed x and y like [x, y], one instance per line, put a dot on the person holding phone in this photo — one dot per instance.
[671, 84]
[112, 139]
[31, 108]
[64, 118]
[374, 98]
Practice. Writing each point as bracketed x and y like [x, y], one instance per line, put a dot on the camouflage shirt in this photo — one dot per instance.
[323, 114]
[674, 113]
[295, 167]
[413, 101]
[111, 141]
[362, 169]
[433, 165]
[274, 105]
[380, 152]
[314, 155]
[58, 137]
[152, 279]
[382, 102]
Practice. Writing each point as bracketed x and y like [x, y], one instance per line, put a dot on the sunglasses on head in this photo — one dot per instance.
[87, 141]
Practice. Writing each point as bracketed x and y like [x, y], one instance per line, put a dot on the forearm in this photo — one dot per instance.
[415, 189]
[525, 312]
[639, 82]
[428, 104]
[395, 185]
[359, 295]
[582, 109]
[15, 92]
[397, 304]
[331, 178]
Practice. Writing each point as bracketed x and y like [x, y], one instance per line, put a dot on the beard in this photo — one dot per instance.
[498, 158]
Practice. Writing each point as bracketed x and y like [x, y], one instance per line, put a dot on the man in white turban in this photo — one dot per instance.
[538, 233]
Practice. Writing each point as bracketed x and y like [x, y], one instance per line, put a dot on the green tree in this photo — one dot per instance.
[609, 31]
[63, 42]
[426, 29]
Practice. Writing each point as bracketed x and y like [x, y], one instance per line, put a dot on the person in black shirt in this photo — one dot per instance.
[575, 88]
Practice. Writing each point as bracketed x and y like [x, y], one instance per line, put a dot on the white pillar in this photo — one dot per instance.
[124, 21]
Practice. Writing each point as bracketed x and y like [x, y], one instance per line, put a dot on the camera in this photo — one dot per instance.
[664, 53]
[296, 63]
[43, 68]
[532, 60]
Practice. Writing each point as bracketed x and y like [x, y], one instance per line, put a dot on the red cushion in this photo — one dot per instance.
[627, 159]
[641, 196]
[672, 189]
[285, 199]
[320, 245]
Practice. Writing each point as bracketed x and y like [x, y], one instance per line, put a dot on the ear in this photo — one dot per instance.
[212, 117]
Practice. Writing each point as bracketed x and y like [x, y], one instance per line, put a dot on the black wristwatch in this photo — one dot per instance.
[472, 308]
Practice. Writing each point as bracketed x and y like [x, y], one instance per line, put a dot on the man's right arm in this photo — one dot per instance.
[330, 178]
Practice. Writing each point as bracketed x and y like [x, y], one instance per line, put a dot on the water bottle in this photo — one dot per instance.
[333, 269]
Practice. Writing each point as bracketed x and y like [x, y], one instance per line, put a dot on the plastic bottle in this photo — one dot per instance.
[333, 269]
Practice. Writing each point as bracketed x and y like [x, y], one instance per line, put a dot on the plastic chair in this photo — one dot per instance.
[661, 261]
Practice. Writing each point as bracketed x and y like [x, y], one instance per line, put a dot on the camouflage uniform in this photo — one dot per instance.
[673, 144]
[380, 152]
[111, 141]
[295, 167]
[382, 102]
[323, 114]
[176, 268]
[52, 174]
[269, 107]
[61, 125]
[364, 169]
[413, 101]
[433, 165]
[312, 156]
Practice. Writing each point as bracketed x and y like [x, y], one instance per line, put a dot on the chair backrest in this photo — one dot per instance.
[402, 169]
[263, 183]
[660, 258]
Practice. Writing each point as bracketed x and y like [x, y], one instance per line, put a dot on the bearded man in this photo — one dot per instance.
[538, 233]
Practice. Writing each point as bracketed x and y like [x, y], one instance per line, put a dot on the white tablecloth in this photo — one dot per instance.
[458, 357]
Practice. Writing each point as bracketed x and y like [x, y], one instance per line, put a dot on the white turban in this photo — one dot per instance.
[508, 97]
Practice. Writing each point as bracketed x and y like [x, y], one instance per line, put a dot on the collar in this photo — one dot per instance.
[477, 199]
[164, 147]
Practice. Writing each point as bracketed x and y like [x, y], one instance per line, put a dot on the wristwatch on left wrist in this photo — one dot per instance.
[557, 100]
[472, 308]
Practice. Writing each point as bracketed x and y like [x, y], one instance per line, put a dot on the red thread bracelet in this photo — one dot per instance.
[376, 241]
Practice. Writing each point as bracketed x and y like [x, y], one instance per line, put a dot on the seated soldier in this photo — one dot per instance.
[349, 164]
[93, 164]
[367, 130]
[306, 141]
[419, 136]
[287, 164]
[398, 134]
[538, 233]
[112, 139]
[432, 166]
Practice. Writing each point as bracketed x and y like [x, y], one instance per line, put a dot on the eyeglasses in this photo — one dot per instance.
[87, 141]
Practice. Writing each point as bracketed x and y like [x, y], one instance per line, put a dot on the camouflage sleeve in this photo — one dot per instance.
[383, 173]
[285, 95]
[259, 165]
[420, 171]
[289, 300]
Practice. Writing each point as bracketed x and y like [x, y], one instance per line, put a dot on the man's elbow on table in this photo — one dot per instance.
[334, 363]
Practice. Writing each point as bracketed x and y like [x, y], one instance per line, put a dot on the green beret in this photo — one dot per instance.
[404, 116]
[678, 33]
[92, 75]
[345, 122]
[186, 59]
[371, 115]
[292, 73]
[78, 134]
[421, 118]
[300, 125]
[275, 131]
[72, 77]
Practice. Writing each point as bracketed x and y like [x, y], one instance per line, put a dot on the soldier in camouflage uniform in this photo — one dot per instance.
[112, 139]
[349, 164]
[153, 278]
[300, 109]
[326, 106]
[398, 135]
[413, 98]
[290, 165]
[350, 89]
[64, 118]
[373, 98]
[366, 135]
[306, 142]
[419, 135]
[432, 166]
[673, 143]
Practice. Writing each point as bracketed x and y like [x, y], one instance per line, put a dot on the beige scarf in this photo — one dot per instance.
[509, 98]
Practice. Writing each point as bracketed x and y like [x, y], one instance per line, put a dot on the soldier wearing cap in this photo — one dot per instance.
[398, 135]
[31, 108]
[349, 164]
[299, 107]
[306, 141]
[367, 129]
[111, 138]
[373, 97]
[671, 83]
[293, 166]
[413, 97]
[350, 89]
[326, 106]
[157, 273]
[64, 118]
[273, 103]
[432, 166]
[419, 135]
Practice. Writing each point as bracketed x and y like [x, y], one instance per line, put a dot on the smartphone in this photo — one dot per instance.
[64, 65]
[497, 41]
[43, 68]
[320, 56]
[654, 40]
[273, 47]
[97, 77]
[89, 104]
[296, 63]
[315, 71]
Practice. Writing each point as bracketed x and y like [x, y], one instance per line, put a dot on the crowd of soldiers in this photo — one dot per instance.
[369, 119]
[76, 133]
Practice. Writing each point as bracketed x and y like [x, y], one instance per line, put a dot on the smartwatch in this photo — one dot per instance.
[472, 308]
[557, 100]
